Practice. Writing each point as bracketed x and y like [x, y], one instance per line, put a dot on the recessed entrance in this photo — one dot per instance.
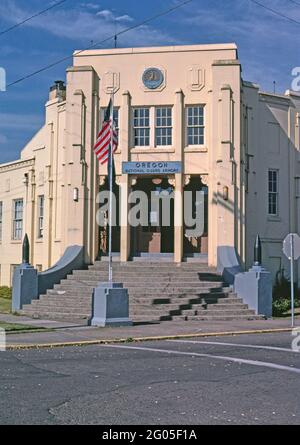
[157, 235]
[196, 244]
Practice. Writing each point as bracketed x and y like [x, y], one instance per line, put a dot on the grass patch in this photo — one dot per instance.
[5, 299]
[14, 327]
[5, 306]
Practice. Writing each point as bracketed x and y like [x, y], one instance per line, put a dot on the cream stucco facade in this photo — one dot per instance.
[247, 136]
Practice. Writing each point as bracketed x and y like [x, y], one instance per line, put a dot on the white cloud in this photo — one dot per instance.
[86, 25]
[18, 122]
[124, 18]
[90, 5]
[105, 13]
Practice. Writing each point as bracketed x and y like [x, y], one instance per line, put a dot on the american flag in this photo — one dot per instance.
[103, 143]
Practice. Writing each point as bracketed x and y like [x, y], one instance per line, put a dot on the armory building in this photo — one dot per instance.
[186, 113]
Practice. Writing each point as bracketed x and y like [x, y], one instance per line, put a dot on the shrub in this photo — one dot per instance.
[5, 292]
[282, 296]
[281, 306]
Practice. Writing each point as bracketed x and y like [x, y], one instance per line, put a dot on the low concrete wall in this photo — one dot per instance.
[229, 264]
[72, 259]
[255, 288]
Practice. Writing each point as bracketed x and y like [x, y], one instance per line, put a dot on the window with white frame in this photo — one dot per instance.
[163, 126]
[195, 125]
[41, 214]
[17, 219]
[273, 192]
[1, 216]
[141, 127]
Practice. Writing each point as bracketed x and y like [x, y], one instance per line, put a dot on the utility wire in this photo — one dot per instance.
[295, 3]
[276, 12]
[131, 28]
[5, 31]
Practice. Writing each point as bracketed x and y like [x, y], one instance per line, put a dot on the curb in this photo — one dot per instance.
[143, 339]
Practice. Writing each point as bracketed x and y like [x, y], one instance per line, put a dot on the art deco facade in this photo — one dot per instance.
[184, 104]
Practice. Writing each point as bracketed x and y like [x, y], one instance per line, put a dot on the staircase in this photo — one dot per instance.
[157, 292]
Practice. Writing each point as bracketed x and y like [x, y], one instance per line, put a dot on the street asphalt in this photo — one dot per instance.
[242, 379]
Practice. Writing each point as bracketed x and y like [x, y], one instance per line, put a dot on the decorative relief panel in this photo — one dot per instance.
[187, 179]
[204, 179]
[111, 81]
[196, 78]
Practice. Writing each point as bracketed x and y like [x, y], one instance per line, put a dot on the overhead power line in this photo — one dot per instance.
[131, 28]
[274, 11]
[16, 25]
[295, 3]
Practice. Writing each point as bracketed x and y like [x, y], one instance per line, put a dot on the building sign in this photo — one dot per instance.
[151, 168]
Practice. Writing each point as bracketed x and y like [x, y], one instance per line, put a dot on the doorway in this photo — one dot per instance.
[197, 244]
[157, 235]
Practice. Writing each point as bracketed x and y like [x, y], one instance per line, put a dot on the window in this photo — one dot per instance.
[163, 126]
[195, 125]
[273, 192]
[141, 127]
[1, 216]
[17, 219]
[41, 211]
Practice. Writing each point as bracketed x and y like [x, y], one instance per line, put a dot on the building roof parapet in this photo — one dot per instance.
[14, 165]
[279, 99]
[156, 49]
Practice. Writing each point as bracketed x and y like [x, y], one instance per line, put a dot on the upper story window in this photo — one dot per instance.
[41, 213]
[141, 127]
[163, 126]
[195, 125]
[273, 192]
[1, 216]
[17, 219]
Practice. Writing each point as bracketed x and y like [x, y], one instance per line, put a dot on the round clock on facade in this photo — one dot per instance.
[153, 78]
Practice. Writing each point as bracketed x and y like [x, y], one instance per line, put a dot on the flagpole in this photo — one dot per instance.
[110, 267]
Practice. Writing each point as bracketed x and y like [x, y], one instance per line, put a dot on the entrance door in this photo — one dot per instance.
[158, 235]
[195, 245]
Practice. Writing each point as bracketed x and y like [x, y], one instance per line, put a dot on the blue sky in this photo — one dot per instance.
[268, 45]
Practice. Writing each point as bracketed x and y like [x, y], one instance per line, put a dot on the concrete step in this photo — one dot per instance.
[135, 293]
[158, 291]
[216, 317]
[57, 309]
[142, 285]
[53, 315]
[221, 300]
[183, 300]
[215, 312]
[147, 278]
[150, 267]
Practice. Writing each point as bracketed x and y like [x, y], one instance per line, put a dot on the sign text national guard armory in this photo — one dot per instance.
[151, 168]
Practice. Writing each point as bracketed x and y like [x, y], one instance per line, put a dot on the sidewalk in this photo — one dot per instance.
[68, 334]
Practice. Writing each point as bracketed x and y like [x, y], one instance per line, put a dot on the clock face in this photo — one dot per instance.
[153, 78]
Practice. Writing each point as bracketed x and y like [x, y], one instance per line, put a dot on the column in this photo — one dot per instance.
[178, 219]
[179, 156]
[125, 185]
